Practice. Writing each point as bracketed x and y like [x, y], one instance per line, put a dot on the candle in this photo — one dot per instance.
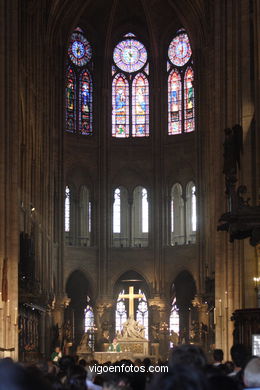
[15, 316]
[8, 307]
[226, 299]
[220, 308]
[1, 302]
[214, 313]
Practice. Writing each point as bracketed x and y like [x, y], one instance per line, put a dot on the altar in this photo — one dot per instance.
[103, 357]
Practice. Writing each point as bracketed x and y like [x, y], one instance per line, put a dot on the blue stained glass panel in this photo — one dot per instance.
[140, 106]
[85, 103]
[120, 101]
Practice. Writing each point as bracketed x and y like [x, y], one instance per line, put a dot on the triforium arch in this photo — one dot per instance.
[79, 291]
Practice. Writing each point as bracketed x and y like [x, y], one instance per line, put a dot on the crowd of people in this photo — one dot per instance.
[187, 369]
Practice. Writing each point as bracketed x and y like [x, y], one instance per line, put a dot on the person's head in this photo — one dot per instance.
[239, 355]
[115, 340]
[15, 377]
[57, 349]
[218, 355]
[252, 373]
[77, 378]
[190, 355]
[180, 377]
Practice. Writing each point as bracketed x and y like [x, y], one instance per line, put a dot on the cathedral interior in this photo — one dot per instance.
[129, 158]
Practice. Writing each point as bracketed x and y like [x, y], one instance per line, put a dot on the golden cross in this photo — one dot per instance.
[131, 296]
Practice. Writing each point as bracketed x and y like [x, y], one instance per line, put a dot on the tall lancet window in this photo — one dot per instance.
[174, 324]
[84, 217]
[90, 324]
[177, 216]
[67, 211]
[79, 85]
[191, 212]
[181, 111]
[121, 313]
[120, 218]
[142, 313]
[140, 217]
[130, 89]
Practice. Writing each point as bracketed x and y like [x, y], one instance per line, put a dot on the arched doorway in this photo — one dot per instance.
[79, 313]
[183, 291]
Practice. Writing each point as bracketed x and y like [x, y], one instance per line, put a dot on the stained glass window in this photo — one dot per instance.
[142, 313]
[79, 85]
[181, 112]
[120, 115]
[140, 106]
[130, 91]
[80, 51]
[145, 211]
[175, 102]
[189, 101]
[191, 213]
[85, 103]
[89, 325]
[121, 314]
[180, 50]
[70, 100]
[174, 323]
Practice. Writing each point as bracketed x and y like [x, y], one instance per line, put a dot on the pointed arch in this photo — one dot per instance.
[120, 101]
[70, 100]
[174, 102]
[85, 103]
[140, 106]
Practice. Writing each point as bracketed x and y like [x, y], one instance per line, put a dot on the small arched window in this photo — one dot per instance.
[181, 111]
[130, 90]
[140, 217]
[191, 212]
[120, 218]
[177, 216]
[84, 217]
[79, 85]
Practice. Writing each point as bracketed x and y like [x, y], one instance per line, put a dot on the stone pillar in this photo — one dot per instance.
[159, 325]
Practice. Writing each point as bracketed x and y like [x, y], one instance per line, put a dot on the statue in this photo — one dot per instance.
[84, 344]
[174, 338]
[133, 330]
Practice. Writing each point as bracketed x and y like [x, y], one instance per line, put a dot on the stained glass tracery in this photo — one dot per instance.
[80, 51]
[130, 91]
[79, 85]
[180, 50]
[130, 55]
[181, 111]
